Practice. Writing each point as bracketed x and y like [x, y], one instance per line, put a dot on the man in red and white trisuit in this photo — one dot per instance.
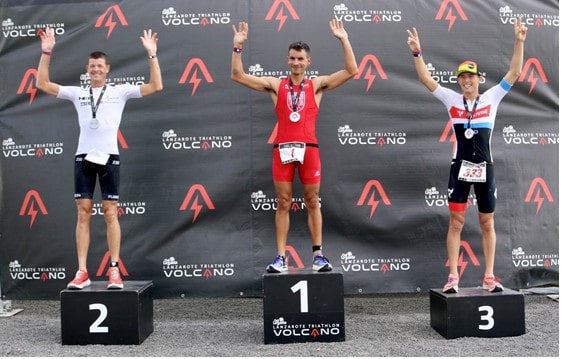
[296, 100]
[472, 118]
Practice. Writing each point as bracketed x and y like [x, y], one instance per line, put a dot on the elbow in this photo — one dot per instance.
[236, 76]
[354, 72]
[41, 85]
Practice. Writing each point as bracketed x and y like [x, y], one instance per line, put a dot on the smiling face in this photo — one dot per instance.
[298, 61]
[97, 70]
[469, 84]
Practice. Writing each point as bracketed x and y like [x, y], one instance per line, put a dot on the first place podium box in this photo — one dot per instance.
[303, 306]
[475, 312]
[96, 315]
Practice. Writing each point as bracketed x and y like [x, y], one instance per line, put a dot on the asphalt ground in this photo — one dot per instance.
[387, 325]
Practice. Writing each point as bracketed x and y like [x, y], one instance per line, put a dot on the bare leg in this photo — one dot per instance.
[113, 230]
[84, 216]
[282, 218]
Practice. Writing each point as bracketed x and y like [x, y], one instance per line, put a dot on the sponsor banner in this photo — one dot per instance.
[197, 203]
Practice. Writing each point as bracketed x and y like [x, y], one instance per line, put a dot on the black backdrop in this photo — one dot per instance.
[197, 202]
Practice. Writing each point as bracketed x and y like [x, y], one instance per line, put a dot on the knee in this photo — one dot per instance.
[110, 213]
[487, 223]
[456, 224]
[84, 214]
[283, 202]
[312, 200]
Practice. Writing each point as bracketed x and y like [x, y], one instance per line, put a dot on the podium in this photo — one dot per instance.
[475, 312]
[96, 315]
[303, 306]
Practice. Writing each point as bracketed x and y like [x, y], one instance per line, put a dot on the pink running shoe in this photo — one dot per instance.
[452, 285]
[492, 284]
[81, 280]
[115, 280]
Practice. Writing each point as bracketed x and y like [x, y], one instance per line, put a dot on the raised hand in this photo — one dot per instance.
[413, 40]
[337, 29]
[520, 30]
[47, 39]
[149, 41]
[240, 34]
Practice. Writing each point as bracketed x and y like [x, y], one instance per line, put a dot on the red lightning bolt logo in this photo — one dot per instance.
[196, 207]
[373, 186]
[531, 68]
[194, 193]
[453, 4]
[195, 65]
[31, 199]
[367, 64]
[110, 23]
[195, 81]
[538, 185]
[281, 17]
[28, 84]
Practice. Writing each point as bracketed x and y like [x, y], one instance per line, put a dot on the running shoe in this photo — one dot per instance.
[321, 264]
[452, 285]
[81, 280]
[492, 284]
[115, 280]
[278, 266]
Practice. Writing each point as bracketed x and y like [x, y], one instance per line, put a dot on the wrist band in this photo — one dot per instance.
[46, 53]
[152, 56]
[417, 53]
[237, 50]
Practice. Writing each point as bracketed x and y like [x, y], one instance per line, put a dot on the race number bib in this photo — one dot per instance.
[292, 151]
[473, 172]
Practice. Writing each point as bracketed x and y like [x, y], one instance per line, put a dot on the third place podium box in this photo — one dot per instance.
[475, 312]
[96, 315]
[303, 306]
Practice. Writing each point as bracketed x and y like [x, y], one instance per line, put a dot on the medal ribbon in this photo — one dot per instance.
[95, 108]
[470, 115]
[292, 97]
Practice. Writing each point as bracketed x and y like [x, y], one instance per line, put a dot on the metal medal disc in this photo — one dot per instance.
[94, 123]
[469, 133]
[294, 116]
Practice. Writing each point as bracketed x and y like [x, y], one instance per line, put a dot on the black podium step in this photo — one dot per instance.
[475, 312]
[303, 306]
[96, 315]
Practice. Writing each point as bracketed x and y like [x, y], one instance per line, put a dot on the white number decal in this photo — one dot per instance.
[488, 317]
[95, 327]
[302, 286]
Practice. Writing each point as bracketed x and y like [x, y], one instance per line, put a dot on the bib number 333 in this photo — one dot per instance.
[473, 172]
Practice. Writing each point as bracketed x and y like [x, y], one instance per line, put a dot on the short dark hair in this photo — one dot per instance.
[98, 55]
[299, 46]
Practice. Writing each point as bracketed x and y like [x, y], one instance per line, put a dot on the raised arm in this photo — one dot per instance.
[350, 63]
[265, 84]
[47, 45]
[515, 69]
[423, 73]
[149, 41]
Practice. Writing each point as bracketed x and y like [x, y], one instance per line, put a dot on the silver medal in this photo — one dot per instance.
[294, 116]
[94, 123]
[469, 133]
